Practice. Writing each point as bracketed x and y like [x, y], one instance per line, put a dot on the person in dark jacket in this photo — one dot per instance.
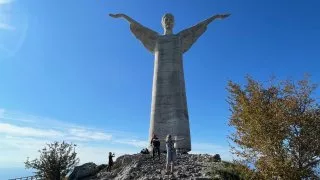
[110, 163]
[155, 143]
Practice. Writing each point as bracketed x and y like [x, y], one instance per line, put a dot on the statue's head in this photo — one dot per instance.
[167, 21]
[168, 138]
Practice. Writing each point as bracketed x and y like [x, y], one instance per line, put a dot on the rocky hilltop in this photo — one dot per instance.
[143, 167]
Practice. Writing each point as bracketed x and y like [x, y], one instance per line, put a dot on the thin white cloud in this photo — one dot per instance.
[15, 150]
[13, 130]
[76, 134]
[133, 142]
[25, 143]
[13, 27]
[5, 1]
[18, 117]
[85, 134]
[5, 26]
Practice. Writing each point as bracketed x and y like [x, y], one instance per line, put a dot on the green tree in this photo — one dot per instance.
[277, 128]
[55, 162]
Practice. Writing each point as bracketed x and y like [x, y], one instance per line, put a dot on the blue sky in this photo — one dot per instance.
[69, 71]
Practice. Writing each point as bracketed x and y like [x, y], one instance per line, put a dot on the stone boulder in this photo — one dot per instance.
[85, 171]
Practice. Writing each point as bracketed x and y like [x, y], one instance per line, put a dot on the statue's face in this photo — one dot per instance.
[168, 21]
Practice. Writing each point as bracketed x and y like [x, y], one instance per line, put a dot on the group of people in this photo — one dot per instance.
[155, 143]
[171, 151]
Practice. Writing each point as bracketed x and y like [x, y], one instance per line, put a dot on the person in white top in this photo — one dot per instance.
[171, 152]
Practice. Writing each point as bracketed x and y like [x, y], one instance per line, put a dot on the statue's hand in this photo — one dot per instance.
[222, 16]
[116, 15]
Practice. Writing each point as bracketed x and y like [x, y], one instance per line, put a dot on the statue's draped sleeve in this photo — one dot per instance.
[190, 35]
[147, 36]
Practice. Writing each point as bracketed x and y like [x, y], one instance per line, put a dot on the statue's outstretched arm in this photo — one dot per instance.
[190, 35]
[214, 17]
[145, 35]
[129, 19]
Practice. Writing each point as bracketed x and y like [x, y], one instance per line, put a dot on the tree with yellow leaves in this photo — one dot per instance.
[277, 129]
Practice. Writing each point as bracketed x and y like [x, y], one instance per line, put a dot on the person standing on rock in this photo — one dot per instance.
[171, 152]
[155, 142]
[110, 163]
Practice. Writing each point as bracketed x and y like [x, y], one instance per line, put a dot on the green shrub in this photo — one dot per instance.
[216, 158]
[55, 162]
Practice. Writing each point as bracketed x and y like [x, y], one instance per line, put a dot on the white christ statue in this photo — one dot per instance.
[169, 112]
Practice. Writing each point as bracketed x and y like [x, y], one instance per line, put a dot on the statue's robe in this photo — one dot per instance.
[169, 112]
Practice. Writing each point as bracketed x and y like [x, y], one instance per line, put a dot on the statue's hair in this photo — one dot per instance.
[166, 15]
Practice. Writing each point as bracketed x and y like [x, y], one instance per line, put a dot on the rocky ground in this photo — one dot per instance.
[143, 167]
